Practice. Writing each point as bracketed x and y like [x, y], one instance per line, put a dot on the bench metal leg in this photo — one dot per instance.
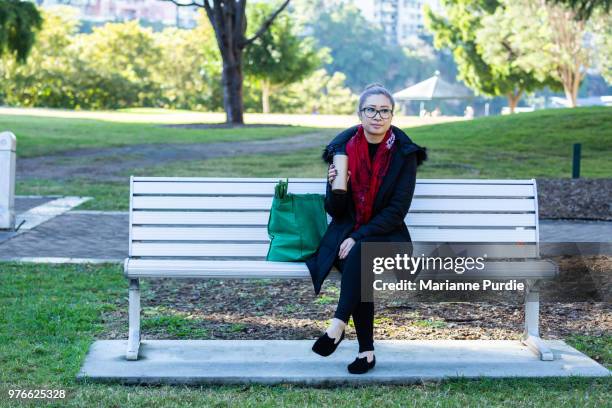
[134, 319]
[531, 336]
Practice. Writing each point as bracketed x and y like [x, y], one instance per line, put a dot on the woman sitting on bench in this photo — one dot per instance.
[382, 167]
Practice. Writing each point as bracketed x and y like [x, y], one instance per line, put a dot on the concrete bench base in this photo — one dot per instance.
[292, 361]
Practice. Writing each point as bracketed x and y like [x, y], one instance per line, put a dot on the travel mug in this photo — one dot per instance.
[339, 185]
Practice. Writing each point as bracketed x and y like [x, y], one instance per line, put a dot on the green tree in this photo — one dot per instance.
[279, 57]
[61, 72]
[19, 22]
[189, 70]
[585, 8]
[128, 51]
[457, 30]
[318, 93]
[601, 26]
[41, 80]
[570, 53]
[543, 39]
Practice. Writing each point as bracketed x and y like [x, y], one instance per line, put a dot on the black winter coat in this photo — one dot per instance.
[391, 203]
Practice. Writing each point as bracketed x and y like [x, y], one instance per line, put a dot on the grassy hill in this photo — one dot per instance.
[535, 144]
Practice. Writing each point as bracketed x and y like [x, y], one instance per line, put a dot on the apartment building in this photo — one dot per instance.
[400, 19]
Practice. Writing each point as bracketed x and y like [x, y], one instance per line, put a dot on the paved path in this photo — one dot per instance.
[104, 235]
[73, 235]
[575, 231]
[110, 164]
[23, 204]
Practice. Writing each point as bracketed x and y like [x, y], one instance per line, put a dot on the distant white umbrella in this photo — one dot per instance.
[434, 88]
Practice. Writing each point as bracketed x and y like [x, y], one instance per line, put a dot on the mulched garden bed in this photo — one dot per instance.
[587, 199]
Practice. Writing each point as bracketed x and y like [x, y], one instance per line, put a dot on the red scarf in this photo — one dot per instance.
[367, 177]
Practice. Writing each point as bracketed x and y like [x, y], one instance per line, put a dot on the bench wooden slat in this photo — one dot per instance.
[262, 189]
[472, 235]
[254, 250]
[264, 203]
[200, 234]
[200, 218]
[260, 218]
[139, 268]
[261, 234]
[233, 249]
[318, 180]
[470, 220]
[208, 249]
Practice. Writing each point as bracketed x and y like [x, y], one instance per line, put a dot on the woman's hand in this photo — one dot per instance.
[333, 172]
[345, 247]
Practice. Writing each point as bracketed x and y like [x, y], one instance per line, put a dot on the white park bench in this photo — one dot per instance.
[216, 228]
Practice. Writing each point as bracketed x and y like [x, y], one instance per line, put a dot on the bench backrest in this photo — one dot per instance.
[227, 217]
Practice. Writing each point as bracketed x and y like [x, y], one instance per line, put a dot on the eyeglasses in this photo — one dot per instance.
[385, 113]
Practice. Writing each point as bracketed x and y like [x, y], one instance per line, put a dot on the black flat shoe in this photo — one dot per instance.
[324, 345]
[361, 365]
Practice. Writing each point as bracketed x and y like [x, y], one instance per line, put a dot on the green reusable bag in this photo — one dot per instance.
[296, 224]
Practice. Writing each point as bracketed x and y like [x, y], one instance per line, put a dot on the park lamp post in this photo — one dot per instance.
[8, 144]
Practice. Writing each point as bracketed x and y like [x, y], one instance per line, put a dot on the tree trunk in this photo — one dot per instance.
[575, 85]
[224, 20]
[232, 91]
[571, 78]
[513, 99]
[570, 96]
[265, 96]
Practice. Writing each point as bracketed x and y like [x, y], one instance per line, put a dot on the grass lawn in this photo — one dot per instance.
[50, 314]
[529, 145]
[38, 136]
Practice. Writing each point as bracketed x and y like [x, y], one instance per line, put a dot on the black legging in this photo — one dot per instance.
[350, 295]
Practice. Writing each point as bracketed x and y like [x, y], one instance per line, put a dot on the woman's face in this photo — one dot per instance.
[381, 120]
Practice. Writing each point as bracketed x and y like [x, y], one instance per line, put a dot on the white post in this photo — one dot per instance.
[8, 146]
